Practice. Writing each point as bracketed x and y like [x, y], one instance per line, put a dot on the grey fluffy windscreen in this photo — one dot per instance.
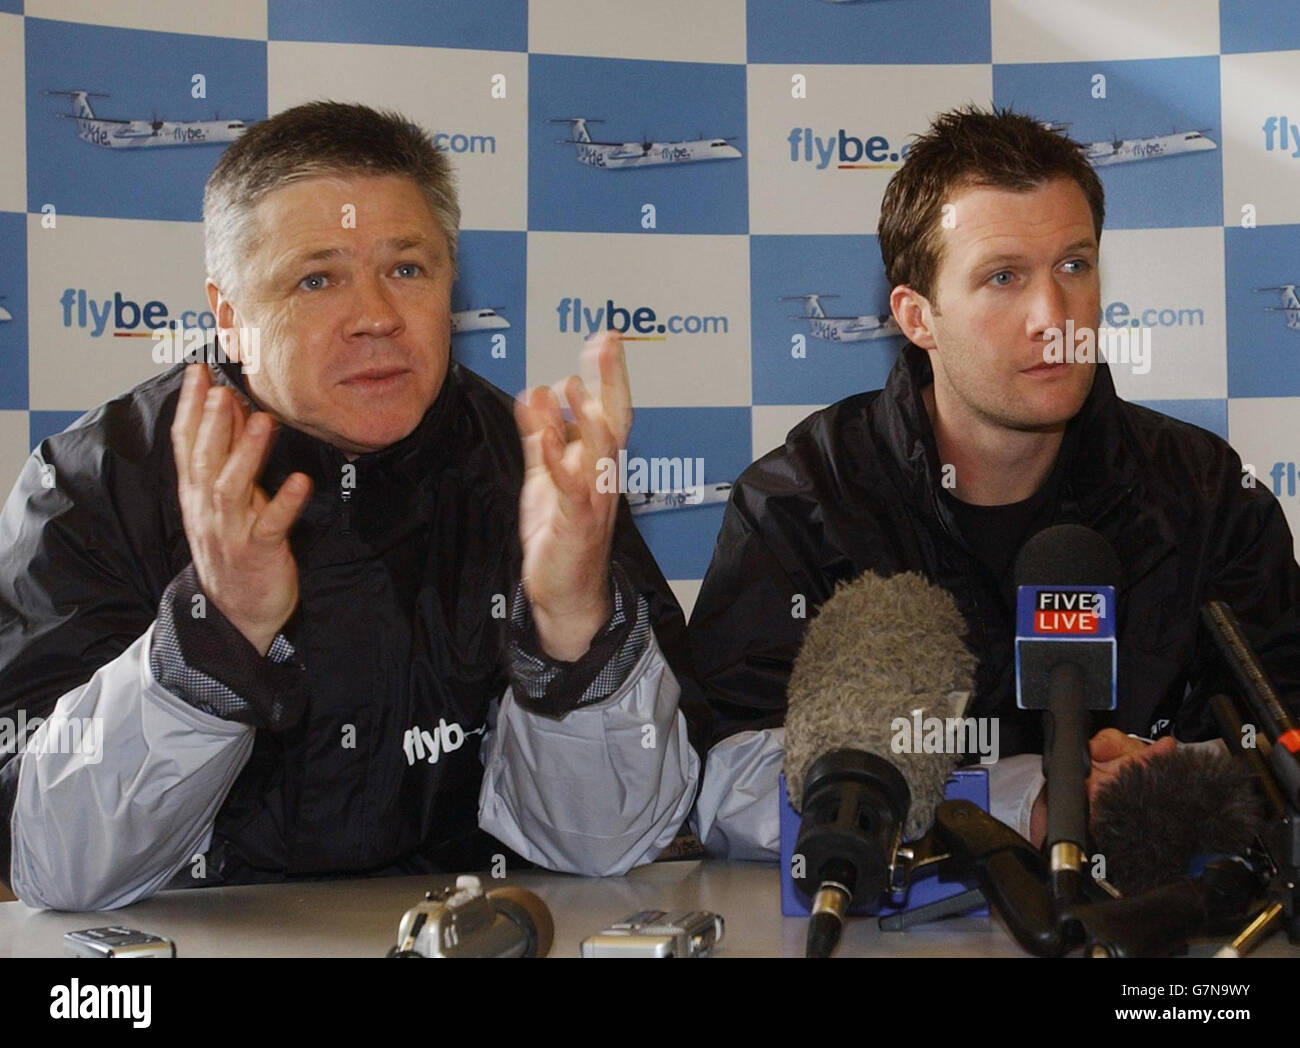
[878, 649]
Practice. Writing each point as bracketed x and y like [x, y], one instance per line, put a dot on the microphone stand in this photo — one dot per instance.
[1011, 872]
[1274, 761]
[1015, 879]
[1033, 897]
[1281, 846]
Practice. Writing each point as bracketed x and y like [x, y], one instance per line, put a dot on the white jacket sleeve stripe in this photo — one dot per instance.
[118, 789]
[600, 790]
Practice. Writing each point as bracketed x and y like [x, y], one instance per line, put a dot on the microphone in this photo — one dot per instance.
[1160, 922]
[1177, 833]
[1158, 820]
[879, 651]
[465, 921]
[1065, 664]
[1278, 725]
[531, 918]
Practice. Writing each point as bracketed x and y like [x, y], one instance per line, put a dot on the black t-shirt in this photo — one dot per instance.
[996, 533]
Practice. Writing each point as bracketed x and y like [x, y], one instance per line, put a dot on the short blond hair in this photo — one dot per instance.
[308, 141]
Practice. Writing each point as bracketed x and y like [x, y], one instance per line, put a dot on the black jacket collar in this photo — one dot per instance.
[410, 461]
[1102, 483]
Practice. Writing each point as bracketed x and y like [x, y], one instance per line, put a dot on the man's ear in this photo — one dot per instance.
[227, 320]
[913, 312]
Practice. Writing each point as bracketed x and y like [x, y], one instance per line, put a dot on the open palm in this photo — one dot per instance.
[566, 522]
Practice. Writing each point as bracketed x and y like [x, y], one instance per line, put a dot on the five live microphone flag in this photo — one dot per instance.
[1081, 616]
[1068, 612]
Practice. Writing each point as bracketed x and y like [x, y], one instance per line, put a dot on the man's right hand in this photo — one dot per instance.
[238, 538]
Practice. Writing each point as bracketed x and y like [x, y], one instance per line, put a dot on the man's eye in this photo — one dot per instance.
[315, 282]
[1079, 265]
[408, 269]
[1001, 278]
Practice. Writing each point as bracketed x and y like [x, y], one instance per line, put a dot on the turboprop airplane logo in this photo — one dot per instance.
[643, 502]
[488, 318]
[846, 328]
[1290, 307]
[614, 156]
[113, 133]
[1126, 150]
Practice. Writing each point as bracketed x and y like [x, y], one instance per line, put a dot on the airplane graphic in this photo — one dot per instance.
[609, 156]
[1126, 150]
[484, 319]
[661, 501]
[135, 134]
[1290, 307]
[5, 315]
[842, 328]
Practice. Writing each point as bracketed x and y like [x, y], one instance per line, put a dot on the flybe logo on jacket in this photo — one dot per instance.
[419, 744]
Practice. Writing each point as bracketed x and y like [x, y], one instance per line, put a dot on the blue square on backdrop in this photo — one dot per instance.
[488, 304]
[13, 7]
[1261, 277]
[880, 32]
[147, 79]
[1146, 100]
[487, 25]
[13, 311]
[42, 424]
[673, 137]
[850, 349]
[1260, 25]
[1211, 413]
[682, 540]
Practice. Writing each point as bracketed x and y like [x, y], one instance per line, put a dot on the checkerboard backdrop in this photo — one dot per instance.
[714, 163]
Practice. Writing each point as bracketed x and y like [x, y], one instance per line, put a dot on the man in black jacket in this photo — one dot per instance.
[317, 609]
[990, 234]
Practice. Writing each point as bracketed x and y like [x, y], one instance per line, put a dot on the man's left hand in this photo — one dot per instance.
[566, 523]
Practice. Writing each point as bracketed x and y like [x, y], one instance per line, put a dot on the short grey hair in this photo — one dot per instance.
[308, 141]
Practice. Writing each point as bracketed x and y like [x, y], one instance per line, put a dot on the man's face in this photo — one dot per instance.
[350, 284]
[1015, 266]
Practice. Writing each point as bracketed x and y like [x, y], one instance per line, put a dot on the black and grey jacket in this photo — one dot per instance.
[401, 713]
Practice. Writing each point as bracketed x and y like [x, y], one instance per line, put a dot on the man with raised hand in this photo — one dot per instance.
[326, 609]
[990, 233]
